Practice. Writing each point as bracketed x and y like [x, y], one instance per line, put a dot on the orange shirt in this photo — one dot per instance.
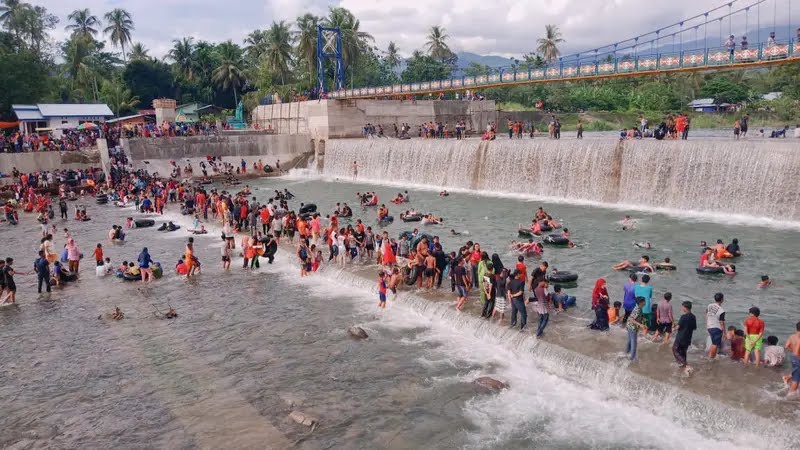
[98, 254]
[523, 271]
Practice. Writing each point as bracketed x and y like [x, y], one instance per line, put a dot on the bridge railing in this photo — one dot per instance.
[715, 57]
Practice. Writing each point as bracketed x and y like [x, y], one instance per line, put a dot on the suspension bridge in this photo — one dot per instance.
[679, 47]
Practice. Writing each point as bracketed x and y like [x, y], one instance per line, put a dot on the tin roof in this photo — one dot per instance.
[42, 111]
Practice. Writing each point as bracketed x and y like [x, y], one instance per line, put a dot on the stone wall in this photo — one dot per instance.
[155, 154]
[346, 118]
[36, 161]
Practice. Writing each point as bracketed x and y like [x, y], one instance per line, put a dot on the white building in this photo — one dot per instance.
[56, 117]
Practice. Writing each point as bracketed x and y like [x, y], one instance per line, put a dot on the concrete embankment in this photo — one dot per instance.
[156, 154]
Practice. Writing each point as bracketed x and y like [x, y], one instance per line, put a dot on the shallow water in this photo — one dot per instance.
[247, 345]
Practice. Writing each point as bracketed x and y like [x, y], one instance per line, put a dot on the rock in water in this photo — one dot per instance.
[303, 418]
[357, 332]
[491, 384]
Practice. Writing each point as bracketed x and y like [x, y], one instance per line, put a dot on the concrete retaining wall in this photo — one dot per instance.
[37, 161]
[269, 148]
[346, 118]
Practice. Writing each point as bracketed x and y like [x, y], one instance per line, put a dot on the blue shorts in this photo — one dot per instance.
[461, 291]
[716, 336]
[382, 297]
[795, 367]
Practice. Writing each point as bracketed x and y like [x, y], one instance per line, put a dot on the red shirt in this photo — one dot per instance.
[753, 325]
[98, 254]
[523, 271]
[703, 260]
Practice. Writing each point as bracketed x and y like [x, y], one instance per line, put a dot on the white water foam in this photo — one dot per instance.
[556, 395]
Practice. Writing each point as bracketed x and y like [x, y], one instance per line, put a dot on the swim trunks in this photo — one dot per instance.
[429, 273]
[716, 336]
[665, 327]
[795, 367]
[753, 342]
[382, 297]
[461, 291]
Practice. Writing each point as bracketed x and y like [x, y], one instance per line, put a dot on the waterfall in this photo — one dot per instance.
[757, 178]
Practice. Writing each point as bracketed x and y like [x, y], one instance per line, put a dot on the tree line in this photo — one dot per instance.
[101, 62]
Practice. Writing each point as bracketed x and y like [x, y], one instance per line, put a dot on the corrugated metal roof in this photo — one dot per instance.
[26, 114]
[73, 110]
[127, 118]
[701, 102]
[15, 107]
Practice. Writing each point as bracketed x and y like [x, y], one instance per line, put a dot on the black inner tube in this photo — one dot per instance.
[563, 277]
[556, 239]
[412, 218]
[710, 269]
[144, 223]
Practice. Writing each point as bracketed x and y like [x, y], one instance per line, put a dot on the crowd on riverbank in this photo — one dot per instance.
[70, 140]
[412, 259]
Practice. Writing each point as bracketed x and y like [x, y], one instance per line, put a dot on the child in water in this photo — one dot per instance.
[765, 281]
[382, 290]
[774, 355]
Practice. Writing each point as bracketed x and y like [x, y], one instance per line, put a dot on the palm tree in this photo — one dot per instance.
[83, 23]
[354, 42]
[437, 43]
[138, 52]
[255, 45]
[306, 38]
[548, 45]
[117, 96]
[10, 12]
[392, 55]
[182, 53]
[228, 74]
[278, 50]
[120, 25]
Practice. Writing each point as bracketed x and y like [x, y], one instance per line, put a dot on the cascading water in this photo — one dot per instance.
[751, 178]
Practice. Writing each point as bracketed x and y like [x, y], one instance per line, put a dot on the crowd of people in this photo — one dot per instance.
[413, 259]
[70, 140]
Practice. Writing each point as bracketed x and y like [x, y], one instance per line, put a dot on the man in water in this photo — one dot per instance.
[715, 323]
[461, 281]
[355, 170]
[793, 347]
[516, 290]
[683, 336]
[42, 268]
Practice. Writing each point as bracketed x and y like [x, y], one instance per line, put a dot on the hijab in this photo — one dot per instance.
[599, 291]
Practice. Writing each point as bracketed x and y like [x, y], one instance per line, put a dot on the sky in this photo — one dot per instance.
[498, 27]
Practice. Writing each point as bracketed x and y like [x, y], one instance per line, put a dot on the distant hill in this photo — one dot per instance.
[465, 58]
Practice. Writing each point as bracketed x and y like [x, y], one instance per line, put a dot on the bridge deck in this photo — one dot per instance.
[625, 66]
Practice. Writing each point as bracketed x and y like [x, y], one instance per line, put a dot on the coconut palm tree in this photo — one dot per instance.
[437, 43]
[392, 55]
[10, 12]
[548, 45]
[229, 74]
[117, 96]
[120, 25]
[255, 45]
[138, 52]
[278, 53]
[83, 23]
[182, 54]
[306, 39]
[354, 42]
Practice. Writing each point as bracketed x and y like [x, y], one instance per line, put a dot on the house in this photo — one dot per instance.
[136, 119]
[192, 112]
[703, 105]
[55, 117]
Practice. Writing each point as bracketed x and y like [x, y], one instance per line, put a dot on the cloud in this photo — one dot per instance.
[500, 27]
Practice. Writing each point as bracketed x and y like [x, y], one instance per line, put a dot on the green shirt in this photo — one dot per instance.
[635, 315]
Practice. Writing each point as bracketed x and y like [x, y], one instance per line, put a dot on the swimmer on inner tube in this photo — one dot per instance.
[644, 264]
[444, 193]
[708, 259]
[628, 223]
[645, 245]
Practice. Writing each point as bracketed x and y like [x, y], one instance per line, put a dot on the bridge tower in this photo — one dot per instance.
[329, 46]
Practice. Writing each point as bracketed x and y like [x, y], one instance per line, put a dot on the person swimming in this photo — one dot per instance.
[643, 264]
[646, 245]
[628, 223]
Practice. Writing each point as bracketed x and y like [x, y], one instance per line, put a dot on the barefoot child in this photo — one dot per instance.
[382, 289]
[683, 336]
[754, 333]
[793, 347]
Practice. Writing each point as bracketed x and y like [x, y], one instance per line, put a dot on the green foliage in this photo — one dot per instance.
[148, 80]
[424, 68]
[724, 90]
[24, 80]
[118, 97]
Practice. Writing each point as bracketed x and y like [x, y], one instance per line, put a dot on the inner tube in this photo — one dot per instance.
[128, 277]
[638, 269]
[524, 232]
[308, 208]
[709, 269]
[387, 219]
[102, 200]
[65, 277]
[144, 223]
[665, 266]
[562, 277]
[410, 275]
[555, 239]
[348, 214]
[86, 219]
[158, 272]
[545, 227]
[307, 216]
[411, 218]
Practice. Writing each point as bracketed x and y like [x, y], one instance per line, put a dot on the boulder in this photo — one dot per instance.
[357, 333]
[490, 384]
[303, 418]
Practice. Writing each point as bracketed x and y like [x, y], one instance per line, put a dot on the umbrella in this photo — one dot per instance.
[86, 126]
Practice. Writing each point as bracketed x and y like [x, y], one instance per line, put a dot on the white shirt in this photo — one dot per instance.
[714, 313]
